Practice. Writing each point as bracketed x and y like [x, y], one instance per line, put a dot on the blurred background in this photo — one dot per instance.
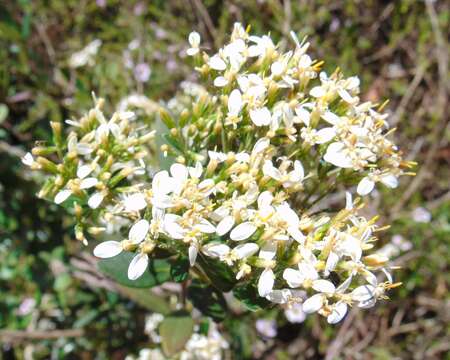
[53, 53]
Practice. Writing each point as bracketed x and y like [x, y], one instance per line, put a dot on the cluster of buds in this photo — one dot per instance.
[93, 165]
[267, 137]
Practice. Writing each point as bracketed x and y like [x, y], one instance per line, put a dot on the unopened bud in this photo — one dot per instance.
[375, 260]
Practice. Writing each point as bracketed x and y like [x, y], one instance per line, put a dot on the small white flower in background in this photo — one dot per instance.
[27, 159]
[421, 215]
[295, 314]
[26, 307]
[142, 72]
[266, 327]
[152, 322]
[86, 56]
[194, 40]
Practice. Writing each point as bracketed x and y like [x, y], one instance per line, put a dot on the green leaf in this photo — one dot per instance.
[207, 300]
[116, 268]
[179, 270]
[3, 112]
[248, 295]
[175, 331]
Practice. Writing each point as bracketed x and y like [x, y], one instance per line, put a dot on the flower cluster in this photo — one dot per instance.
[268, 136]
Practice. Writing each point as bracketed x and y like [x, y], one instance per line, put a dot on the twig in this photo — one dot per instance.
[26, 335]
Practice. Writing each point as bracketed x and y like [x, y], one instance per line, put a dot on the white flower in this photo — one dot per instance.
[266, 327]
[27, 159]
[86, 55]
[421, 215]
[288, 179]
[295, 314]
[194, 40]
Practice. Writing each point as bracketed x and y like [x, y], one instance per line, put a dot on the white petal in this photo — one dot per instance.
[83, 149]
[294, 278]
[220, 81]
[331, 263]
[162, 183]
[265, 282]
[261, 145]
[135, 202]
[345, 96]
[363, 293]
[313, 304]
[338, 313]
[137, 267]
[308, 270]
[242, 231]
[206, 227]
[326, 134]
[271, 171]
[194, 38]
[265, 199]
[317, 91]
[179, 172]
[390, 181]
[268, 251]
[235, 102]
[192, 51]
[88, 183]
[84, 170]
[193, 251]
[338, 159]
[303, 115]
[345, 285]
[216, 250]
[225, 225]
[261, 117]
[365, 186]
[62, 196]
[330, 117]
[138, 231]
[27, 159]
[217, 63]
[95, 200]
[108, 249]
[348, 201]
[245, 250]
[323, 286]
